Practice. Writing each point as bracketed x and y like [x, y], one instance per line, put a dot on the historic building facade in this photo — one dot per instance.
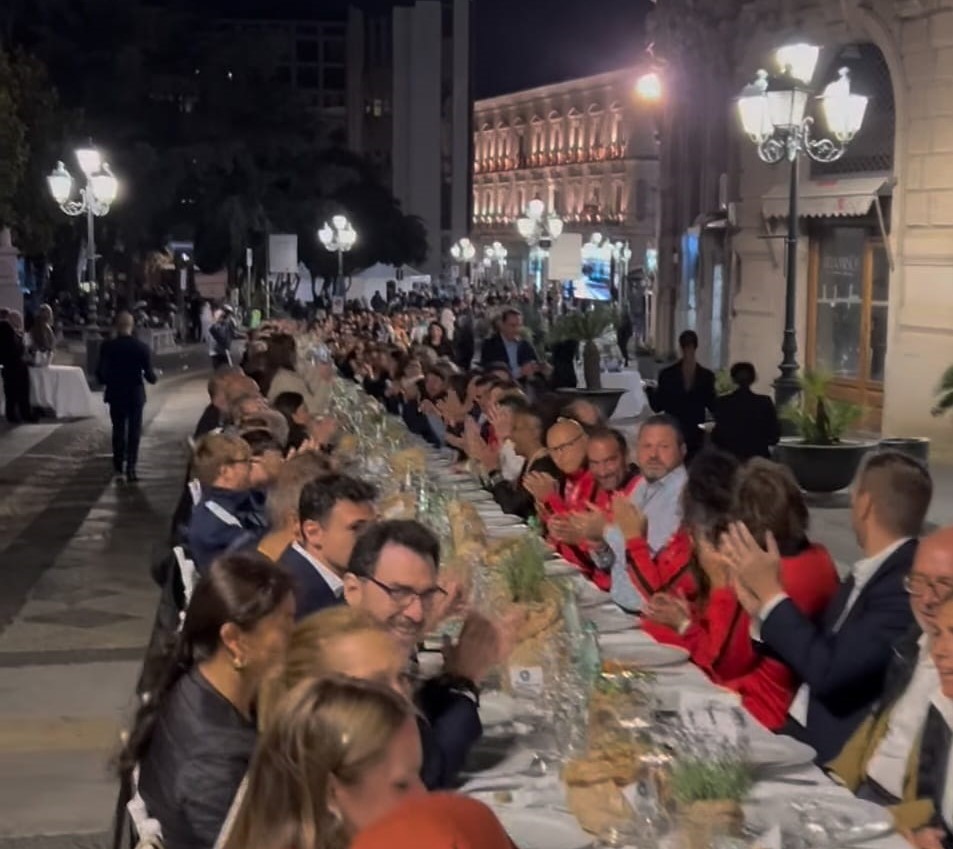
[586, 148]
[875, 262]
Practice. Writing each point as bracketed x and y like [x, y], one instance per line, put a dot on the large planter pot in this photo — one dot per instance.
[606, 400]
[822, 468]
[917, 447]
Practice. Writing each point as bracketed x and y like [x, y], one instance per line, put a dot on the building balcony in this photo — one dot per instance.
[543, 159]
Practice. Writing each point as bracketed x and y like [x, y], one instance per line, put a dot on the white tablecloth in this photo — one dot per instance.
[62, 389]
[633, 403]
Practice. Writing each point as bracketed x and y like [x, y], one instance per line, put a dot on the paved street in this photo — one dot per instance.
[76, 610]
[78, 603]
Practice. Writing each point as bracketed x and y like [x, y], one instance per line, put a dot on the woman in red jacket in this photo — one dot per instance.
[717, 632]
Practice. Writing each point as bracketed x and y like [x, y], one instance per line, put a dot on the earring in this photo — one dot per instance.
[238, 663]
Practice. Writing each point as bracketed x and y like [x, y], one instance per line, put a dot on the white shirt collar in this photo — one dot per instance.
[863, 570]
[332, 580]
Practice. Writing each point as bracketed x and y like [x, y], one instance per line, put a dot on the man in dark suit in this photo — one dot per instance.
[842, 659]
[332, 512]
[685, 391]
[746, 424]
[16, 372]
[124, 362]
[874, 762]
[508, 346]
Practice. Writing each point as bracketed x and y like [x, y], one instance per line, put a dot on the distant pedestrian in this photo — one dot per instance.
[124, 363]
[16, 373]
[221, 335]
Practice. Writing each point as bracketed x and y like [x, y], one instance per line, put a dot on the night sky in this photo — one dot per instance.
[526, 43]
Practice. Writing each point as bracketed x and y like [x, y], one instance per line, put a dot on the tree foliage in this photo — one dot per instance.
[208, 142]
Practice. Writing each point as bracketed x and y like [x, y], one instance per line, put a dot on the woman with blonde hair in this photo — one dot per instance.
[339, 640]
[337, 755]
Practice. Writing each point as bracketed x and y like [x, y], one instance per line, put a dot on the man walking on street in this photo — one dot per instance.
[124, 362]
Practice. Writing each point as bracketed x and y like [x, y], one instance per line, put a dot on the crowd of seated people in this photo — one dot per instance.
[287, 709]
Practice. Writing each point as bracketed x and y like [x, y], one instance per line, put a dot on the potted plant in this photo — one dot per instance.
[586, 328]
[708, 793]
[524, 593]
[820, 458]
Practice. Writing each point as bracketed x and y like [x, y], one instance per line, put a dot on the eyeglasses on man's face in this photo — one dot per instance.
[558, 449]
[403, 597]
[919, 585]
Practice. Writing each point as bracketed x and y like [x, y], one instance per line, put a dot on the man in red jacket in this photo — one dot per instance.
[646, 550]
[610, 474]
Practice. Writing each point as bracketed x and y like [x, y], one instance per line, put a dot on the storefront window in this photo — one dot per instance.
[840, 302]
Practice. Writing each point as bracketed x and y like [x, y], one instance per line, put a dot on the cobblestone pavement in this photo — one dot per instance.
[77, 609]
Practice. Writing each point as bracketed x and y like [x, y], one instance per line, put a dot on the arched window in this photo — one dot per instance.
[871, 150]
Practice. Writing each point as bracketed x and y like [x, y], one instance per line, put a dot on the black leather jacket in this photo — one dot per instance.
[199, 753]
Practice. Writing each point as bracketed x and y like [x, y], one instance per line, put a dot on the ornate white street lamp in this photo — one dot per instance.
[539, 230]
[773, 117]
[95, 199]
[463, 251]
[338, 237]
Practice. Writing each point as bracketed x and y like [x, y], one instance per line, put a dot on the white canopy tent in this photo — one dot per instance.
[374, 279]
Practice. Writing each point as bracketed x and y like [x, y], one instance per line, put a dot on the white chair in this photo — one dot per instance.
[189, 575]
[148, 829]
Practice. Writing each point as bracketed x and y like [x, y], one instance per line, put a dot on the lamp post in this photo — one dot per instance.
[463, 251]
[339, 237]
[539, 230]
[95, 198]
[774, 119]
[495, 254]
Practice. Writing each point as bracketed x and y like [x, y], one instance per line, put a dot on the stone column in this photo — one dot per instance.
[10, 295]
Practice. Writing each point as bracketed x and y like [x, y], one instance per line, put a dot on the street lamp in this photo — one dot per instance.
[339, 237]
[774, 119]
[495, 254]
[539, 230]
[95, 198]
[463, 251]
[648, 87]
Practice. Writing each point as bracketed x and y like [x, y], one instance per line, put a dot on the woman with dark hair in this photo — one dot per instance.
[283, 376]
[437, 340]
[194, 733]
[766, 497]
[291, 405]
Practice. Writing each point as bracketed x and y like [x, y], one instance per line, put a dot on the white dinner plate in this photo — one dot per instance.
[495, 757]
[779, 752]
[559, 568]
[840, 819]
[502, 521]
[542, 829]
[496, 708]
[646, 654]
[589, 595]
[608, 619]
[507, 531]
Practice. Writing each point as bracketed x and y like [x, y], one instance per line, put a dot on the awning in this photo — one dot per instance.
[849, 197]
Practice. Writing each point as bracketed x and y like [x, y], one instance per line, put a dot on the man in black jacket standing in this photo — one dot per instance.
[124, 362]
[685, 390]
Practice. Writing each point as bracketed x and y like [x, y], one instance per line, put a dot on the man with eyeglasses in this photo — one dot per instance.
[392, 576]
[873, 762]
[841, 659]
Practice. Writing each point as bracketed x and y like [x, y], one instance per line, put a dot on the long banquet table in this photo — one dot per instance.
[534, 807]
[546, 795]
